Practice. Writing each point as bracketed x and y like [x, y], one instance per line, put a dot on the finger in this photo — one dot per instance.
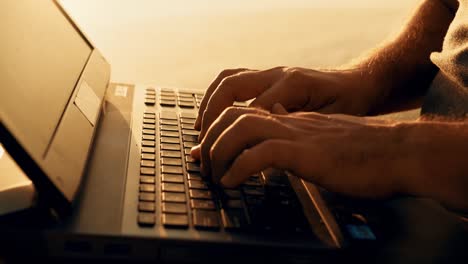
[278, 109]
[282, 92]
[195, 152]
[227, 118]
[210, 90]
[240, 87]
[248, 130]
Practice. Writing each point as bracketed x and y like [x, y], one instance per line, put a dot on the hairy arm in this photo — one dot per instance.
[401, 70]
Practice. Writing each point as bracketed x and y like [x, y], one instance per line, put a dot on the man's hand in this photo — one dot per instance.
[297, 89]
[350, 155]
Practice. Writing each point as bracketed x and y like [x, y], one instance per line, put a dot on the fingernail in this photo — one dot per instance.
[195, 151]
[278, 109]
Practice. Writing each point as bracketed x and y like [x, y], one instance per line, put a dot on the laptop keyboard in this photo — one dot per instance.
[176, 195]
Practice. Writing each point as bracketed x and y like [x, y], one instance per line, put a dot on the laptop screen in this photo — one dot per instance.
[42, 57]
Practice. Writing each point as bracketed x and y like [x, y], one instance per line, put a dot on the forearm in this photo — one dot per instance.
[434, 162]
[402, 70]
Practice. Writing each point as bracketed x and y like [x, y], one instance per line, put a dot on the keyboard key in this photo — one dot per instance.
[189, 159]
[147, 197]
[176, 208]
[150, 96]
[146, 206]
[150, 101]
[172, 169]
[147, 171]
[172, 178]
[148, 137]
[190, 132]
[166, 146]
[148, 156]
[187, 151]
[147, 179]
[190, 121]
[194, 176]
[148, 131]
[147, 150]
[173, 197]
[190, 144]
[188, 138]
[233, 204]
[149, 121]
[167, 103]
[171, 161]
[147, 163]
[187, 126]
[174, 134]
[147, 188]
[204, 219]
[171, 140]
[193, 167]
[200, 194]
[169, 128]
[232, 194]
[233, 219]
[254, 191]
[202, 204]
[175, 220]
[194, 184]
[173, 187]
[170, 154]
[168, 122]
[186, 105]
[147, 143]
[188, 115]
[149, 116]
[149, 126]
[168, 115]
[146, 219]
[167, 97]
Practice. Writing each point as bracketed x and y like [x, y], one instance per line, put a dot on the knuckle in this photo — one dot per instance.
[293, 73]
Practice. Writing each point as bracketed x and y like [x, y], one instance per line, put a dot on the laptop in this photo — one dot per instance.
[110, 163]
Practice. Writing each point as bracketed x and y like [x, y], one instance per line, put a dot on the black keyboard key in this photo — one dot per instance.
[148, 150]
[174, 178]
[188, 115]
[175, 220]
[187, 126]
[172, 169]
[149, 116]
[171, 161]
[147, 171]
[166, 146]
[193, 167]
[200, 194]
[173, 187]
[146, 207]
[167, 102]
[254, 191]
[202, 204]
[149, 126]
[187, 151]
[204, 219]
[147, 179]
[233, 204]
[148, 131]
[147, 163]
[190, 121]
[232, 193]
[147, 188]
[170, 154]
[148, 137]
[169, 134]
[147, 197]
[173, 197]
[189, 159]
[146, 219]
[233, 219]
[189, 138]
[148, 143]
[186, 104]
[175, 208]
[150, 101]
[148, 156]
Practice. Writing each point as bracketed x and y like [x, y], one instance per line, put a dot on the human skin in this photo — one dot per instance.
[358, 156]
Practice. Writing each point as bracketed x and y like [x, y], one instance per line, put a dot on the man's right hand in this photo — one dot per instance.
[297, 89]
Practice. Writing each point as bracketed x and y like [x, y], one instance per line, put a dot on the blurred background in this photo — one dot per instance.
[186, 43]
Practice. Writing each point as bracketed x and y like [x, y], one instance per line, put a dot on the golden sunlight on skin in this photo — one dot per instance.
[186, 43]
